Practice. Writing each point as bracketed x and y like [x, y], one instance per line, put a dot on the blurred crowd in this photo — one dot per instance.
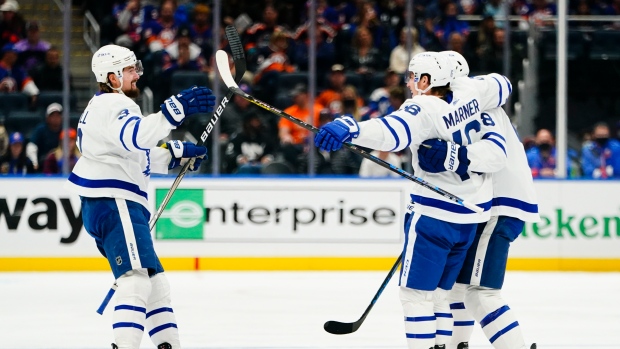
[361, 57]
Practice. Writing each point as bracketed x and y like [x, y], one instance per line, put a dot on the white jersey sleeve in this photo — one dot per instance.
[489, 154]
[494, 89]
[396, 131]
[160, 159]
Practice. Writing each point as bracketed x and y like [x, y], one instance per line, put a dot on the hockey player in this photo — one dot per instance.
[438, 232]
[477, 292]
[119, 153]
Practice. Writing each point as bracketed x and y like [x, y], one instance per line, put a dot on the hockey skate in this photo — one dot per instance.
[463, 345]
[114, 346]
[164, 346]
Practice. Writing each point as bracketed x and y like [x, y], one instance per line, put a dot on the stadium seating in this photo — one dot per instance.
[605, 45]
[46, 98]
[24, 121]
[13, 102]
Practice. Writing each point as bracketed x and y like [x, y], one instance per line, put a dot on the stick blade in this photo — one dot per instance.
[221, 60]
[335, 327]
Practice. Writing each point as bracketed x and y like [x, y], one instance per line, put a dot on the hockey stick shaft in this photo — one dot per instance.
[240, 66]
[222, 57]
[335, 327]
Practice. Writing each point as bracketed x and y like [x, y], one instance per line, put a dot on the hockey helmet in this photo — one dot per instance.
[435, 65]
[113, 59]
[459, 64]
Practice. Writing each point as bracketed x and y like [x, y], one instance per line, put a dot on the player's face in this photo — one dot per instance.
[130, 78]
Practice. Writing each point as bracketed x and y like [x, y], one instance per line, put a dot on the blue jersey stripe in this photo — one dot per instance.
[134, 137]
[404, 126]
[157, 311]
[130, 307]
[123, 130]
[516, 203]
[500, 91]
[446, 206]
[448, 315]
[493, 315]
[106, 183]
[419, 318]
[502, 331]
[128, 324]
[161, 328]
[457, 306]
[508, 83]
[443, 333]
[391, 131]
[421, 335]
[464, 323]
[499, 145]
[489, 134]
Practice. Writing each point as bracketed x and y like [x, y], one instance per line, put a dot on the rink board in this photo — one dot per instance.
[295, 224]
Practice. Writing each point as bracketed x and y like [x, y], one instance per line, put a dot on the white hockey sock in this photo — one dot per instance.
[463, 321]
[498, 322]
[133, 290]
[420, 324]
[160, 320]
[443, 316]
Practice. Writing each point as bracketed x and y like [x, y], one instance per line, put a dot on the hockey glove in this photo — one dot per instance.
[181, 150]
[437, 155]
[333, 134]
[195, 100]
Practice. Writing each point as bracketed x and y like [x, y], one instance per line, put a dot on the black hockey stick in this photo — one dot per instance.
[221, 59]
[239, 59]
[336, 327]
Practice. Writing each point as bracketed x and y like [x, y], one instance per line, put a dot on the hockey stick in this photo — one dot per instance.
[336, 327]
[221, 59]
[239, 59]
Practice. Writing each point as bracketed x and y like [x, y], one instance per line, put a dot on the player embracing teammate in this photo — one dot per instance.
[462, 141]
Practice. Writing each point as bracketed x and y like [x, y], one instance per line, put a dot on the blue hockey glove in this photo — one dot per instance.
[437, 155]
[181, 150]
[333, 134]
[195, 100]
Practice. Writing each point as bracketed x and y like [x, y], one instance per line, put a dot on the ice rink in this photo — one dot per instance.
[288, 309]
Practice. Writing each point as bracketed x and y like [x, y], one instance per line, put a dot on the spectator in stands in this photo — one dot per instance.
[54, 160]
[202, 34]
[14, 78]
[182, 54]
[370, 169]
[449, 24]
[13, 25]
[399, 57]
[364, 57]
[322, 161]
[250, 149]
[293, 137]
[379, 100]
[496, 10]
[15, 161]
[540, 11]
[542, 157]
[130, 18]
[367, 17]
[273, 61]
[259, 35]
[235, 112]
[331, 97]
[600, 157]
[349, 101]
[31, 50]
[45, 136]
[161, 32]
[48, 75]
[4, 138]
[325, 49]
[482, 40]
[397, 98]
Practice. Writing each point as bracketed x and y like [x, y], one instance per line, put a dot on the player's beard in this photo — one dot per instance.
[132, 92]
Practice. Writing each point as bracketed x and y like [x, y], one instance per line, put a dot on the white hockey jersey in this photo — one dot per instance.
[119, 149]
[513, 187]
[461, 121]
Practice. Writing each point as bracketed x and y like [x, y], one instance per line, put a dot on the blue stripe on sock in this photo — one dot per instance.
[128, 324]
[501, 332]
[464, 323]
[129, 307]
[448, 315]
[420, 336]
[157, 311]
[494, 315]
[443, 333]
[454, 306]
[420, 318]
[161, 328]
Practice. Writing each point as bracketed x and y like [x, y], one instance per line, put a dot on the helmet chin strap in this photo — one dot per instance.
[422, 91]
[119, 89]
